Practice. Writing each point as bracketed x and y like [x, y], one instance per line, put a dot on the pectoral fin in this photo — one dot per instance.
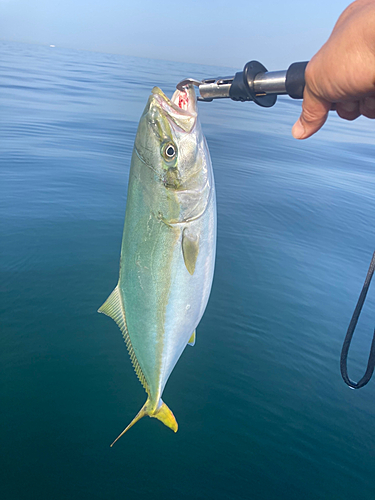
[190, 249]
[192, 339]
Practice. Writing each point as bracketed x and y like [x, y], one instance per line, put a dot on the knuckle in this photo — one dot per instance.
[348, 110]
[367, 107]
[346, 115]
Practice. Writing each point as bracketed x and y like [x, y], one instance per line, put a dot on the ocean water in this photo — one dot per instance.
[262, 410]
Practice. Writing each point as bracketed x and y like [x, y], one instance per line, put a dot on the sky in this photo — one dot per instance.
[217, 32]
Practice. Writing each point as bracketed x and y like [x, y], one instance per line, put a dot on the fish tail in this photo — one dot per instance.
[162, 413]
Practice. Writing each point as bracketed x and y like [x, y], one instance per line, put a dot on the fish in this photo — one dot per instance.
[168, 246]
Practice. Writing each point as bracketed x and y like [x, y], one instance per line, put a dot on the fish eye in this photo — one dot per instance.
[169, 151]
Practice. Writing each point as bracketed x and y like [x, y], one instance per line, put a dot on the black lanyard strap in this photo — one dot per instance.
[349, 335]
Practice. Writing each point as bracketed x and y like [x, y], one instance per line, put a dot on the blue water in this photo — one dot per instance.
[262, 410]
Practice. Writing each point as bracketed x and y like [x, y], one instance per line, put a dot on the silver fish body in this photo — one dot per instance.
[168, 247]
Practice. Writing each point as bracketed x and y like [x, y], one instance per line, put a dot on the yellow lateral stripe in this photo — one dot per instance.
[113, 307]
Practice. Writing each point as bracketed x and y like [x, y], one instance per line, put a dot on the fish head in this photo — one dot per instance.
[170, 142]
[166, 137]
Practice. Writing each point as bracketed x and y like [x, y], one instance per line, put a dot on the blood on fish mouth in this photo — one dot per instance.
[183, 100]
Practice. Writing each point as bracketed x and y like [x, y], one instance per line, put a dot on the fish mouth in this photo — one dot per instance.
[181, 108]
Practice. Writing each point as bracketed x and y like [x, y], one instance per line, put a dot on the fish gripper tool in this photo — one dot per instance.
[254, 83]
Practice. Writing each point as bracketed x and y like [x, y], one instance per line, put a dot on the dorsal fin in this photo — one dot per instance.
[113, 307]
[192, 339]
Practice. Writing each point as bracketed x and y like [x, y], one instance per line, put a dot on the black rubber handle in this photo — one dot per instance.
[295, 79]
[242, 88]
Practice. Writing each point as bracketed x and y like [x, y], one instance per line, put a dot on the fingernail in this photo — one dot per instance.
[298, 130]
[349, 106]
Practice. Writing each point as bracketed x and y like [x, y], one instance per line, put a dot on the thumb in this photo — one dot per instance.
[313, 116]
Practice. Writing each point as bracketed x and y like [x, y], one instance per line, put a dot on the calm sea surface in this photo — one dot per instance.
[262, 410]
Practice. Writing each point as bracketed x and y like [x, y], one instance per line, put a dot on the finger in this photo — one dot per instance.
[367, 107]
[349, 110]
[313, 116]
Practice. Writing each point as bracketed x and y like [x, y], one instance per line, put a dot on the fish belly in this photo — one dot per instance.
[189, 293]
[163, 302]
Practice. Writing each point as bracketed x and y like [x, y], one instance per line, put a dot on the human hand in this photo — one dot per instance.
[341, 75]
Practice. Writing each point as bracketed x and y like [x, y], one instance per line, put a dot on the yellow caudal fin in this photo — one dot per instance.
[165, 415]
[162, 413]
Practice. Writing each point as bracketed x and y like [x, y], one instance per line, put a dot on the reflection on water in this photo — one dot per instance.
[262, 410]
